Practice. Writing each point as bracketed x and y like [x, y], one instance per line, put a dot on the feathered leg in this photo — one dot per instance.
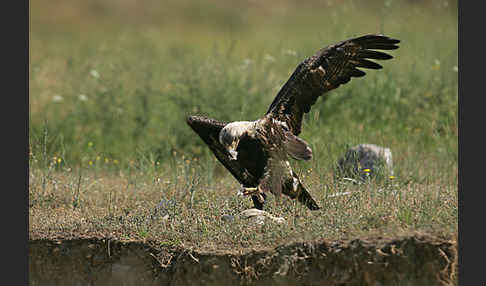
[257, 202]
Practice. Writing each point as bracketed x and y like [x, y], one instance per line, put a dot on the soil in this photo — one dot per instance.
[413, 259]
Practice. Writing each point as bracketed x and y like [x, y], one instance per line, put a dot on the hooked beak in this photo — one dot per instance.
[233, 154]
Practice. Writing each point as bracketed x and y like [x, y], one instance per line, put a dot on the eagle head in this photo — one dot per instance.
[230, 135]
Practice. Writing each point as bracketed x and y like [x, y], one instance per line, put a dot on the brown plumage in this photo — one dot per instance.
[256, 152]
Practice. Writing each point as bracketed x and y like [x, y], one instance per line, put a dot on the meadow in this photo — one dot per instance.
[111, 83]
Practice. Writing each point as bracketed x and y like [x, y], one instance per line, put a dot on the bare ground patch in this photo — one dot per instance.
[413, 259]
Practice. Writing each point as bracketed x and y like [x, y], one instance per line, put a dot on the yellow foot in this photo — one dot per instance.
[244, 191]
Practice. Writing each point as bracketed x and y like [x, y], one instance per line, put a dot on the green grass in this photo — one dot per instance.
[110, 87]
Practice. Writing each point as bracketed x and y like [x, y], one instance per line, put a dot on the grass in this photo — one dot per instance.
[110, 87]
[184, 207]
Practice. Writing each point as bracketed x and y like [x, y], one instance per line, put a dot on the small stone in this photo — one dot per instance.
[259, 217]
[227, 217]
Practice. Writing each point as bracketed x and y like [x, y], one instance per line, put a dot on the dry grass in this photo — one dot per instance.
[184, 208]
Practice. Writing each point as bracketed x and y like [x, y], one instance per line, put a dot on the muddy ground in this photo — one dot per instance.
[415, 259]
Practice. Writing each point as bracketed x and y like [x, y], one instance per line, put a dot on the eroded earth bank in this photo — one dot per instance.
[415, 259]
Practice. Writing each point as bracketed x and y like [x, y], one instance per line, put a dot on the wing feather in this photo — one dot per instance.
[326, 70]
[296, 147]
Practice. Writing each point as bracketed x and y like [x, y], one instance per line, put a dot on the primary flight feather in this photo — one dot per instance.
[256, 152]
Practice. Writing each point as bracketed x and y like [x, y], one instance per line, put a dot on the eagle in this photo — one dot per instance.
[257, 152]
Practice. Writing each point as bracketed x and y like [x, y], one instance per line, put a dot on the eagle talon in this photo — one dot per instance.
[247, 191]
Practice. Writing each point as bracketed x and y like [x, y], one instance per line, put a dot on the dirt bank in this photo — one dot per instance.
[406, 260]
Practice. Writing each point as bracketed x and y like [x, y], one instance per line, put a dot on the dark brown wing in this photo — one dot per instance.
[208, 129]
[326, 70]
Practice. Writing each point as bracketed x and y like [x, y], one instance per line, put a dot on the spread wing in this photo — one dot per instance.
[208, 129]
[326, 70]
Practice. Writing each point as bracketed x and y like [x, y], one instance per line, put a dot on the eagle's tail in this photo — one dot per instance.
[295, 190]
[305, 198]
